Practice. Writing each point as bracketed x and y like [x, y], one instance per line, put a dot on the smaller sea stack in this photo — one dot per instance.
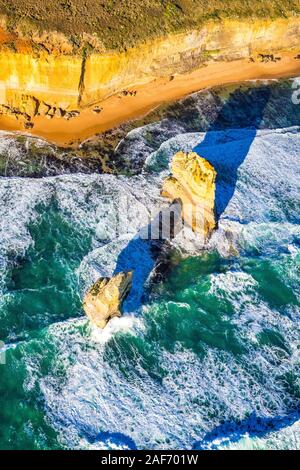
[104, 299]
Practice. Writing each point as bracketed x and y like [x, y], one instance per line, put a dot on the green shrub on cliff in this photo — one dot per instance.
[123, 23]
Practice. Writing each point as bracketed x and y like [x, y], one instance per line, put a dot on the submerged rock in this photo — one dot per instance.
[193, 184]
[104, 299]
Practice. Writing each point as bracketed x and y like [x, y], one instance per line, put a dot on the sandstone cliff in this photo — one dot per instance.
[193, 183]
[104, 299]
[57, 85]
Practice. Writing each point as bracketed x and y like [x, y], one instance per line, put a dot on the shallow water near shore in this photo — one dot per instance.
[206, 359]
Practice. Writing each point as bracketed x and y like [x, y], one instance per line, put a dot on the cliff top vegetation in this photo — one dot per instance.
[119, 24]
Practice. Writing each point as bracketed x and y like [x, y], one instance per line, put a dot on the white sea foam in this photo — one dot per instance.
[19, 199]
[195, 393]
[287, 438]
[266, 190]
[121, 397]
[104, 389]
[267, 183]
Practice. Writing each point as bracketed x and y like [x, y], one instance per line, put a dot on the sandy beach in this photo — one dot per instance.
[120, 108]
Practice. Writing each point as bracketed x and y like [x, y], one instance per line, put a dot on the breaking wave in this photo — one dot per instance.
[209, 359]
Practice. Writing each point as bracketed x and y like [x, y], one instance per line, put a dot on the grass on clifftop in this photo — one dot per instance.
[119, 24]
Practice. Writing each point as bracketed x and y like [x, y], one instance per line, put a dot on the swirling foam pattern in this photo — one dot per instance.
[209, 360]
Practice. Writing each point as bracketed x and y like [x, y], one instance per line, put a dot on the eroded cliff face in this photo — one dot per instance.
[45, 85]
[181, 53]
[57, 85]
[193, 184]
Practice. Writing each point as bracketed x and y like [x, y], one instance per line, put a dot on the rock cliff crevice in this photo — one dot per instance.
[81, 85]
[61, 86]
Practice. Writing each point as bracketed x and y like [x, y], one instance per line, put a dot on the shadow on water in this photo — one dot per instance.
[147, 250]
[137, 257]
[227, 150]
[113, 439]
[253, 426]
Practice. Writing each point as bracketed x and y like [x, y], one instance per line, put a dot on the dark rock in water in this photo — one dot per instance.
[166, 257]
[26, 156]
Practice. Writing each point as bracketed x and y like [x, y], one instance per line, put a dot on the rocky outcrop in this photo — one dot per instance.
[104, 299]
[31, 107]
[193, 184]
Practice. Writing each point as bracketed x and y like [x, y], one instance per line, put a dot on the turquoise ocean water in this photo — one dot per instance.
[209, 358]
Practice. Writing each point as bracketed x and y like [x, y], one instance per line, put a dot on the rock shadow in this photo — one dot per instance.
[229, 138]
[147, 252]
[226, 151]
[253, 426]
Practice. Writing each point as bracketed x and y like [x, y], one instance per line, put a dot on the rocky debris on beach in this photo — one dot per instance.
[268, 58]
[32, 107]
[129, 93]
[28, 125]
[71, 114]
[104, 299]
[97, 110]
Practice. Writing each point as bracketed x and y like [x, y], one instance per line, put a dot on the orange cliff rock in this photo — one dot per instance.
[37, 88]
[193, 184]
[104, 299]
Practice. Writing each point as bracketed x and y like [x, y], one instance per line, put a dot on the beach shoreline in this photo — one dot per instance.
[142, 99]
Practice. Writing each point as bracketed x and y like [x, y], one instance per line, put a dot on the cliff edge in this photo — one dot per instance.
[71, 69]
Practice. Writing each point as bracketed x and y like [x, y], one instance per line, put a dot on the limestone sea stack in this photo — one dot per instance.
[104, 299]
[193, 183]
